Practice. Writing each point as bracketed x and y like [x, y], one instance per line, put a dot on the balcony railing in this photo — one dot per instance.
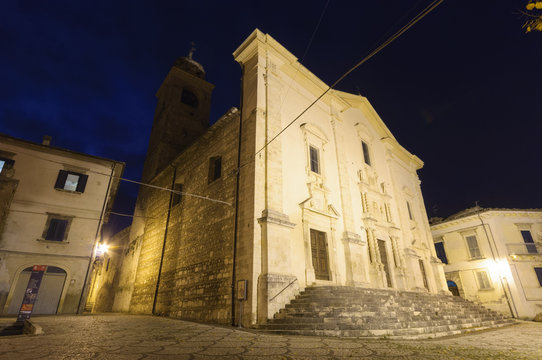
[524, 249]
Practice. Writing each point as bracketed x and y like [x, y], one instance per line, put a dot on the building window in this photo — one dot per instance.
[314, 159]
[441, 254]
[5, 165]
[177, 196]
[366, 156]
[538, 271]
[189, 98]
[424, 275]
[474, 250]
[57, 227]
[215, 168]
[483, 280]
[529, 242]
[409, 211]
[71, 181]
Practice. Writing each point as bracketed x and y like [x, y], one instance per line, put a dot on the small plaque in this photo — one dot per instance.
[242, 289]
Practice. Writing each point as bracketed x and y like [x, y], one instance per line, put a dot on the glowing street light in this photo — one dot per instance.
[101, 249]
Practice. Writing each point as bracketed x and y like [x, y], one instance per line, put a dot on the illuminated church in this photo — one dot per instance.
[263, 212]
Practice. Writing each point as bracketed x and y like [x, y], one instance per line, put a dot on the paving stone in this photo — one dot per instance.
[142, 337]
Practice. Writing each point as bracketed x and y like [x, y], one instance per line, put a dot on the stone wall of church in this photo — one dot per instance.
[196, 269]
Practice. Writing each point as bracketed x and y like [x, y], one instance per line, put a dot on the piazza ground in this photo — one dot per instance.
[115, 336]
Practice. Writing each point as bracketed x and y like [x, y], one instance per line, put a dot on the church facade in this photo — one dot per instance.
[259, 213]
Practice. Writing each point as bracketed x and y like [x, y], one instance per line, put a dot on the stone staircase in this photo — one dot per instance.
[364, 312]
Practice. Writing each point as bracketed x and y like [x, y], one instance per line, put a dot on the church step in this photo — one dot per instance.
[347, 311]
[404, 333]
[349, 324]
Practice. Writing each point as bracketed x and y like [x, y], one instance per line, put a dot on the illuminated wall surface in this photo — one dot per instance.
[334, 199]
[51, 202]
[495, 258]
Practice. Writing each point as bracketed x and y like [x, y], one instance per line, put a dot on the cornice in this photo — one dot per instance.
[488, 214]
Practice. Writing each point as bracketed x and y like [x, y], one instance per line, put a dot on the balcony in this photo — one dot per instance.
[524, 249]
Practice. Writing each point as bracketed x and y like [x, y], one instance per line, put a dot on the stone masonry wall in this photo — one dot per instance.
[195, 282]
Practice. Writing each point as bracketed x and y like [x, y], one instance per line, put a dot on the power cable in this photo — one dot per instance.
[83, 217]
[131, 181]
[304, 54]
[411, 23]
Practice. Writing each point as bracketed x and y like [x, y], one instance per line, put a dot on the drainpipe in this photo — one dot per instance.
[84, 290]
[164, 243]
[509, 301]
[236, 216]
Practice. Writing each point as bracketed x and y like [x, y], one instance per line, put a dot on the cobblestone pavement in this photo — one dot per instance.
[145, 337]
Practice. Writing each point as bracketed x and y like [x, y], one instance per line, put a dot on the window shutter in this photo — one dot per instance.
[57, 229]
[82, 183]
[473, 247]
[61, 179]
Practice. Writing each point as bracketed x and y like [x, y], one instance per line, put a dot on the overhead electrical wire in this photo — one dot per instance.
[411, 23]
[84, 217]
[304, 54]
[132, 181]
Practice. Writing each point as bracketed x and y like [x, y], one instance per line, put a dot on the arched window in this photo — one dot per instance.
[189, 98]
[452, 286]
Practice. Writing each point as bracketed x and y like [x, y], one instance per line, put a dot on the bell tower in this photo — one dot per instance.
[181, 116]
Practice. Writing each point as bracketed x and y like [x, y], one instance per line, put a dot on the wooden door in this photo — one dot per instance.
[319, 255]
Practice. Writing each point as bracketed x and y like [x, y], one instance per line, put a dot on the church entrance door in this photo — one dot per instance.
[319, 255]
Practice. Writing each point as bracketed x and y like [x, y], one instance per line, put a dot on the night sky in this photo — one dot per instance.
[461, 89]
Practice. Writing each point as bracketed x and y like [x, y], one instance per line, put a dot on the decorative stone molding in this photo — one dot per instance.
[411, 253]
[275, 217]
[353, 238]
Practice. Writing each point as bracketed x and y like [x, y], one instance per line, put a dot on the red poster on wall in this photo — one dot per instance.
[31, 292]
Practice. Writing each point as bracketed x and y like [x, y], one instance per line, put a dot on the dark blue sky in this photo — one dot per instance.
[461, 89]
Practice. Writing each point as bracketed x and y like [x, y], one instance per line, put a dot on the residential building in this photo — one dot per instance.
[494, 257]
[53, 203]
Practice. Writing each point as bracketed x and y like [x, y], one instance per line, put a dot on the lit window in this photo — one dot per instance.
[483, 280]
[56, 227]
[5, 164]
[215, 168]
[71, 181]
[441, 254]
[314, 159]
[474, 250]
[529, 242]
[366, 156]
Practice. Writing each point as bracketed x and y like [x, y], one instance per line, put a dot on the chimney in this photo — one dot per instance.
[46, 140]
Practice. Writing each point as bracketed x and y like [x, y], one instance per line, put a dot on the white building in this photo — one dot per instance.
[494, 257]
[334, 200]
[53, 203]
